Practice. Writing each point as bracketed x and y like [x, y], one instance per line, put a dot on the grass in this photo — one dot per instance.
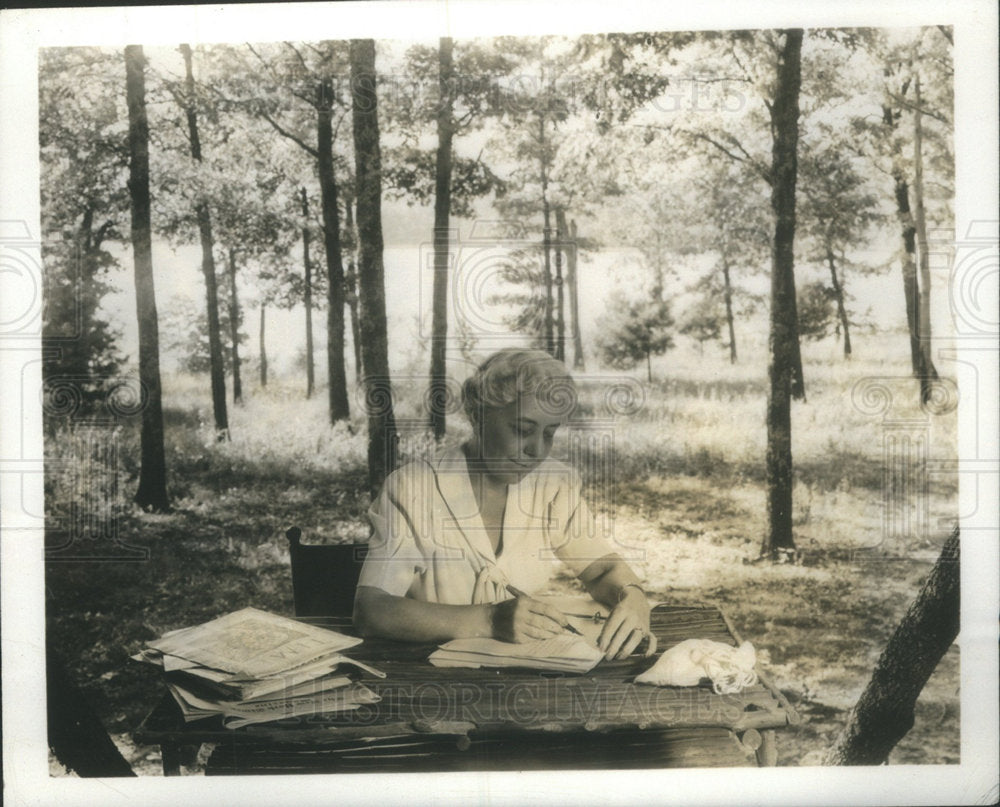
[685, 498]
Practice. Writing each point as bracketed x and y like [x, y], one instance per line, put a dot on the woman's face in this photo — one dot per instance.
[515, 438]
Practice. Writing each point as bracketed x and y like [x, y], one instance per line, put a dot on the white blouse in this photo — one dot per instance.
[429, 542]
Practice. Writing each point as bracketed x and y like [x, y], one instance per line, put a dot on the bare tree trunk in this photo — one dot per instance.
[911, 294]
[884, 713]
[838, 294]
[217, 367]
[336, 373]
[352, 302]
[371, 272]
[307, 297]
[571, 281]
[727, 292]
[920, 221]
[87, 253]
[658, 274]
[560, 293]
[649, 368]
[783, 326]
[234, 328]
[351, 284]
[442, 211]
[550, 346]
[152, 491]
[263, 349]
[76, 735]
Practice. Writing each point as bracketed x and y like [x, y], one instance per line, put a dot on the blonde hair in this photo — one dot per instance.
[512, 372]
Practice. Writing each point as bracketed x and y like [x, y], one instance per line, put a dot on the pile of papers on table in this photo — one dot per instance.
[251, 667]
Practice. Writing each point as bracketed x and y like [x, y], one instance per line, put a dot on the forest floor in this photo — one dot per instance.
[689, 517]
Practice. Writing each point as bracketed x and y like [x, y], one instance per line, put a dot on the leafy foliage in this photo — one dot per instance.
[80, 343]
[83, 139]
[703, 321]
[187, 327]
[632, 332]
[409, 174]
[815, 303]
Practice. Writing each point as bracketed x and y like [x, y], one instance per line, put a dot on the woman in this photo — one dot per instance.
[456, 537]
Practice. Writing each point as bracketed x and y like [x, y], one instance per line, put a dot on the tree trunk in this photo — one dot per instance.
[351, 287]
[234, 328]
[838, 294]
[87, 272]
[307, 298]
[442, 211]
[924, 319]
[152, 491]
[560, 293]
[649, 367]
[336, 374]
[76, 735]
[574, 301]
[371, 272]
[727, 292]
[217, 366]
[884, 712]
[263, 349]
[911, 295]
[658, 274]
[783, 336]
[550, 346]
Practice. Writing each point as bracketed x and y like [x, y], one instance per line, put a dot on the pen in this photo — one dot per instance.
[597, 616]
[518, 593]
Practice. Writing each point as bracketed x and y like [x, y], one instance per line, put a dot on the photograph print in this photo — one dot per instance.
[498, 403]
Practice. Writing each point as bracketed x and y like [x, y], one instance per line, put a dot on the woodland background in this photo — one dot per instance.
[320, 282]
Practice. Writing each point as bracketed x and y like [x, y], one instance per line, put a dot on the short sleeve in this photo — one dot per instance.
[393, 559]
[578, 543]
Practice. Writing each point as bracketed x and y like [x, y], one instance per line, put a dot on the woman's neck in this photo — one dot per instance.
[482, 480]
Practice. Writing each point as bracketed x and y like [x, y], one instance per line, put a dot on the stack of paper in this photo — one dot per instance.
[564, 653]
[251, 666]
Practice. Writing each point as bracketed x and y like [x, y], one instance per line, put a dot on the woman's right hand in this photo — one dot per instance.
[524, 619]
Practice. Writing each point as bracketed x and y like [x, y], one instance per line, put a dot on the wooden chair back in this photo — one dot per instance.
[324, 577]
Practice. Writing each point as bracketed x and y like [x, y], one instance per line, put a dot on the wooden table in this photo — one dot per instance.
[450, 719]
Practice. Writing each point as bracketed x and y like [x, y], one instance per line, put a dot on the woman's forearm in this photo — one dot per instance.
[377, 613]
[608, 579]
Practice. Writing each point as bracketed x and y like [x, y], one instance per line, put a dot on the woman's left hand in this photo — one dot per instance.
[627, 626]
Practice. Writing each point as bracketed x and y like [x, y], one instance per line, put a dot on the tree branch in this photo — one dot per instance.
[298, 56]
[278, 79]
[285, 133]
[336, 128]
[746, 158]
[650, 126]
[922, 109]
[102, 233]
[702, 80]
[464, 119]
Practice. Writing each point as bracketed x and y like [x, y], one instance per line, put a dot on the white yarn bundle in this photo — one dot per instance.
[730, 669]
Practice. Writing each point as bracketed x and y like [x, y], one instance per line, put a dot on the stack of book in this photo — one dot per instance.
[251, 667]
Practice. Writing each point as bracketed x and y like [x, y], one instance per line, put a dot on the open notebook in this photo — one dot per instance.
[566, 652]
